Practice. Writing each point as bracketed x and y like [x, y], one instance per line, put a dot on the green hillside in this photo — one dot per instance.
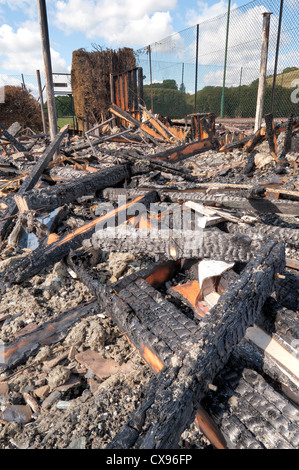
[285, 78]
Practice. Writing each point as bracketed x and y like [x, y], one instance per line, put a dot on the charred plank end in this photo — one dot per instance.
[176, 392]
[18, 350]
[64, 193]
[31, 180]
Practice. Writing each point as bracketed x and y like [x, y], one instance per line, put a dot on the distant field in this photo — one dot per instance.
[63, 121]
[284, 79]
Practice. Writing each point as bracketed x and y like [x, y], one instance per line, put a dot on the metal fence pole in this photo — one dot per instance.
[263, 71]
[196, 67]
[225, 61]
[151, 77]
[182, 89]
[276, 55]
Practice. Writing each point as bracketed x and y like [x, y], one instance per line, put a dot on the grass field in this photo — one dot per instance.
[285, 79]
[65, 120]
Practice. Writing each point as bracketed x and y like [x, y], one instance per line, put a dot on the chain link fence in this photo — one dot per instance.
[184, 73]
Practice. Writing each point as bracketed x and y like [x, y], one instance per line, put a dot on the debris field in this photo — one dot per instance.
[123, 328]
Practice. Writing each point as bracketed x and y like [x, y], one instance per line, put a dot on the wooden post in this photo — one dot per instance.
[263, 71]
[41, 101]
[43, 21]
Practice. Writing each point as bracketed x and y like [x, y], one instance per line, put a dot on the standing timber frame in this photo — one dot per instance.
[202, 125]
[127, 91]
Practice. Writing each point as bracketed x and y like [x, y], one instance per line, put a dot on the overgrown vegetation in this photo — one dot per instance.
[20, 105]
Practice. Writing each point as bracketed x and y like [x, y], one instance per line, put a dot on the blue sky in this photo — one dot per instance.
[75, 23]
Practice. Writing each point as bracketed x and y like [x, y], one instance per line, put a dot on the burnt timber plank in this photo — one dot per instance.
[288, 136]
[12, 139]
[182, 152]
[287, 235]
[176, 244]
[49, 252]
[149, 133]
[14, 352]
[243, 200]
[173, 394]
[270, 420]
[248, 143]
[272, 139]
[32, 179]
[64, 193]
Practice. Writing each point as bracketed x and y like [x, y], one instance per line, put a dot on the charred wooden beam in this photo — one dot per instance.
[252, 412]
[248, 355]
[287, 235]
[272, 139]
[12, 139]
[245, 200]
[143, 164]
[176, 244]
[288, 136]
[279, 321]
[151, 134]
[31, 180]
[51, 251]
[64, 193]
[16, 351]
[174, 393]
[178, 154]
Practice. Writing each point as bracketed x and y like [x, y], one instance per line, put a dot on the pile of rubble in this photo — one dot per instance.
[149, 285]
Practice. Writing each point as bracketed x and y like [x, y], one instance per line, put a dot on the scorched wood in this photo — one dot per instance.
[177, 244]
[31, 180]
[16, 351]
[174, 393]
[64, 193]
[51, 251]
[12, 139]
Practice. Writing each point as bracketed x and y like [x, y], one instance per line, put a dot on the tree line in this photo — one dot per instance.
[240, 102]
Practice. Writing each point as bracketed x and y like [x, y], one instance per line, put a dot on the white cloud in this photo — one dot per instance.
[205, 11]
[21, 50]
[28, 6]
[120, 22]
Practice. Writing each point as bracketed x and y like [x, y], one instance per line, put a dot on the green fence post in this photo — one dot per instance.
[225, 60]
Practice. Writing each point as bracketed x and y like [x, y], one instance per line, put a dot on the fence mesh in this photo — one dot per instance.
[171, 64]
